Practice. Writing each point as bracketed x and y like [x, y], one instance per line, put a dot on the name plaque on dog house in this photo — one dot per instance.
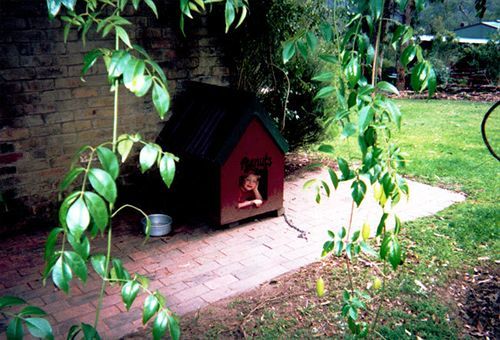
[231, 154]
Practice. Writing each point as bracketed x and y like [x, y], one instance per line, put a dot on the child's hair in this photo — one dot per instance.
[248, 173]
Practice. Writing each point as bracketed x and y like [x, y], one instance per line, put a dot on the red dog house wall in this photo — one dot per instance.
[221, 134]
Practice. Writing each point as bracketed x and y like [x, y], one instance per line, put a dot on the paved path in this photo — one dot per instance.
[199, 265]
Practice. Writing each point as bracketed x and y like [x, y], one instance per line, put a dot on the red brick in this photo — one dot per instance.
[73, 312]
[218, 294]
[222, 281]
[192, 292]
[189, 306]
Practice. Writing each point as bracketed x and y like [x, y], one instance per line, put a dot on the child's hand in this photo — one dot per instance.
[257, 202]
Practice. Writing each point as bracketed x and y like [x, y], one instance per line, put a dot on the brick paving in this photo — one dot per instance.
[199, 265]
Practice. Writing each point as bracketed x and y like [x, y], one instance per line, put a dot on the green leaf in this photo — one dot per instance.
[39, 328]
[97, 209]
[61, 275]
[326, 148]
[141, 85]
[381, 224]
[333, 177]
[78, 218]
[120, 271]
[160, 325]
[167, 169]
[151, 306]
[408, 55]
[147, 157]
[394, 112]
[376, 8]
[341, 100]
[326, 31]
[244, 12]
[348, 130]
[384, 247]
[130, 71]
[89, 332]
[103, 183]
[324, 76]
[402, 4]
[326, 187]
[50, 245]
[312, 40]
[302, 47]
[339, 246]
[419, 5]
[129, 293]
[8, 301]
[69, 4]
[152, 6]
[109, 161]
[173, 327]
[353, 71]
[118, 63]
[81, 246]
[63, 210]
[77, 264]
[135, 3]
[141, 50]
[15, 329]
[344, 169]
[419, 76]
[54, 6]
[366, 115]
[358, 191]
[309, 183]
[89, 59]
[161, 99]
[288, 50]
[329, 58]
[398, 33]
[70, 178]
[122, 34]
[431, 81]
[394, 253]
[353, 314]
[397, 226]
[157, 69]
[324, 92]
[99, 264]
[367, 249]
[124, 147]
[229, 14]
[388, 87]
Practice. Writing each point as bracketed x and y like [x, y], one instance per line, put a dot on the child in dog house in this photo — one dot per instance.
[249, 195]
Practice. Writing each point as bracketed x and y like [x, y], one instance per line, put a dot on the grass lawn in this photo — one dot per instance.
[444, 146]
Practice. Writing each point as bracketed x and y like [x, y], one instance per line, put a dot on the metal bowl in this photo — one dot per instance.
[161, 224]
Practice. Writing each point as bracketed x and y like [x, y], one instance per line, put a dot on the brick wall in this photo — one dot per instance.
[47, 112]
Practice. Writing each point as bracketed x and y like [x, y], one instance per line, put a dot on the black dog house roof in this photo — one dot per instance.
[208, 121]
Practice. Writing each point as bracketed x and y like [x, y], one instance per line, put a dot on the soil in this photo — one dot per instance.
[478, 94]
[480, 309]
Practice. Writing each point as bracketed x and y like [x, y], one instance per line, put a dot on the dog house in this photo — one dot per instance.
[224, 138]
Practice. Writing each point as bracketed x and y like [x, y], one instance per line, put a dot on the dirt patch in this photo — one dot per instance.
[478, 94]
[480, 306]
[288, 300]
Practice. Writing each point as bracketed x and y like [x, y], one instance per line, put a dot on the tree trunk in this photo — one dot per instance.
[407, 16]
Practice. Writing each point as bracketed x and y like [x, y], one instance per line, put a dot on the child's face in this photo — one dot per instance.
[250, 182]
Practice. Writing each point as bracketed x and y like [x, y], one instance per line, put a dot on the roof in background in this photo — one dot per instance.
[479, 33]
[494, 24]
[208, 121]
